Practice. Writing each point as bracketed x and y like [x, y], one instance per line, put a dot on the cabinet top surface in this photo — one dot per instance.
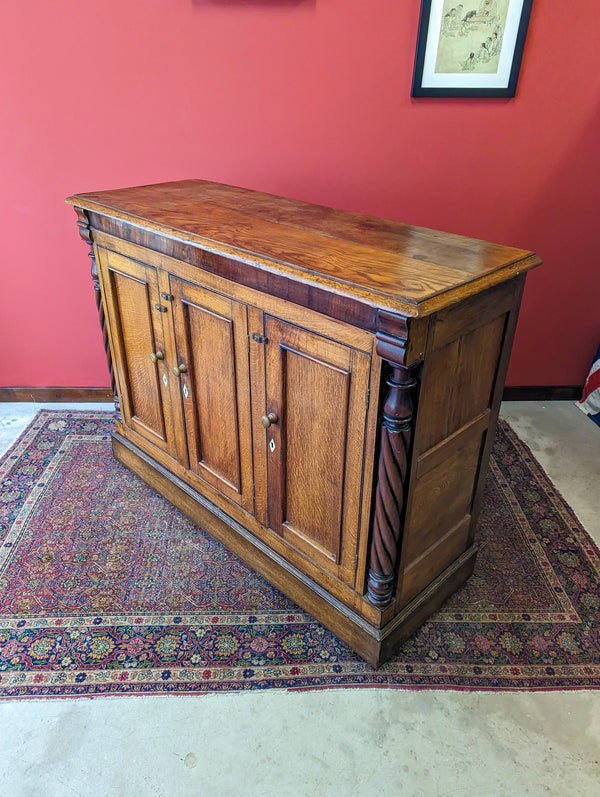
[407, 269]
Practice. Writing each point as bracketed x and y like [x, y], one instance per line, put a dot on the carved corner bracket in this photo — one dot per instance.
[392, 475]
[85, 231]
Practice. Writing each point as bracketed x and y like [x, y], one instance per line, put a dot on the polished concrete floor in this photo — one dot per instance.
[330, 743]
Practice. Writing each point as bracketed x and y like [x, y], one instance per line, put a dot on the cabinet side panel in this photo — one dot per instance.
[457, 384]
[479, 353]
[138, 343]
[457, 390]
[442, 495]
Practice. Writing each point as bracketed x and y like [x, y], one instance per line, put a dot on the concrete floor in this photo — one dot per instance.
[336, 742]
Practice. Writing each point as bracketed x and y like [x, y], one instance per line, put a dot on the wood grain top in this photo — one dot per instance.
[400, 267]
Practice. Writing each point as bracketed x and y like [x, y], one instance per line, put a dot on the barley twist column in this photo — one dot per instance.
[86, 234]
[392, 475]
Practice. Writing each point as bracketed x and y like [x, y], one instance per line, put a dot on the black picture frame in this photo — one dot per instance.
[468, 81]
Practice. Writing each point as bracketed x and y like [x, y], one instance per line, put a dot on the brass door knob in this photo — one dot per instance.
[267, 420]
[179, 369]
[158, 356]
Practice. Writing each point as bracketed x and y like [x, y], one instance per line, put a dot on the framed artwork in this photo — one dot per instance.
[470, 49]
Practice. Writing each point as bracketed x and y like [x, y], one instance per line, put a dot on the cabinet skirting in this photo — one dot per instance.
[57, 394]
[374, 644]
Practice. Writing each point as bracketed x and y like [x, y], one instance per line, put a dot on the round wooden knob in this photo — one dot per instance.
[267, 420]
[179, 369]
[158, 356]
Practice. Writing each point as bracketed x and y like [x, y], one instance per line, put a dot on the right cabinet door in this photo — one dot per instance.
[317, 393]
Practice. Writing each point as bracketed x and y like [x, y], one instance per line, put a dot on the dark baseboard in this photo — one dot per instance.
[46, 394]
[82, 394]
[543, 393]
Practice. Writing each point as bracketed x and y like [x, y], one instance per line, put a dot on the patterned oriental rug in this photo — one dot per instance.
[105, 588]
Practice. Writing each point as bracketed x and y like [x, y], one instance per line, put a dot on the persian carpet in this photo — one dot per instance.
[105, 588]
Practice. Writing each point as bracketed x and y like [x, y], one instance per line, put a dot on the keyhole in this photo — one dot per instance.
[272, 445]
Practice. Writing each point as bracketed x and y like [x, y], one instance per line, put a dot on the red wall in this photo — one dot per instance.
[306, 98]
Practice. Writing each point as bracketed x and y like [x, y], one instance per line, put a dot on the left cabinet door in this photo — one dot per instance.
[135, 321]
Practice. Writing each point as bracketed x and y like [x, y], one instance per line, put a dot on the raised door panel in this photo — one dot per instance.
[458, 383]
[317, 389]
[135, 323]
[211, 334]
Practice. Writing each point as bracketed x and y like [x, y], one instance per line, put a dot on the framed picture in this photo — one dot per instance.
[471, 48]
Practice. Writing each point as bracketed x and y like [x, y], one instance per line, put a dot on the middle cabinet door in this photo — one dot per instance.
[211, 334]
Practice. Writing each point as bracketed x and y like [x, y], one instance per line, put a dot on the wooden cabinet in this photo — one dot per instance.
[318, 389]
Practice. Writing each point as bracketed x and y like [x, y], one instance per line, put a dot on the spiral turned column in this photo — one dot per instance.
[396, 435]
[86, 235]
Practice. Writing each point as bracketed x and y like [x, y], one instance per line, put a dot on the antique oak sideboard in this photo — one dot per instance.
[317, 389]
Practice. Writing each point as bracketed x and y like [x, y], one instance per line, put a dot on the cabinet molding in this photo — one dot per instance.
[316, 388]
[85, 233]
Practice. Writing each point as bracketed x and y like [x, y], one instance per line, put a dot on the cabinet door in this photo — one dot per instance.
[317, 389]
[211, 334]
[131, 297]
